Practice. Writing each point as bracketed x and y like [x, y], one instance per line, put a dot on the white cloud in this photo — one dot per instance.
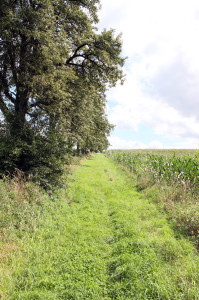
[177, 84]
[162, 90]
[118, 143]
[188, 144]
[156, 145]
[134, 107]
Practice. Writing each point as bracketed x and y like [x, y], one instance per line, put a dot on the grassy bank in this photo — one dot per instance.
[101, 240]
[168, 177]
[22, 206]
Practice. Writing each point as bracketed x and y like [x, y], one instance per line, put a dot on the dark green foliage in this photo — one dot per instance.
[41, 156]
[54, 71]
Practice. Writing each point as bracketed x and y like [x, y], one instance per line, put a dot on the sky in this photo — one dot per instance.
[158, 105]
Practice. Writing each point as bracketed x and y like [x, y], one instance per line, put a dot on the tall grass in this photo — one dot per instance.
[25, 210]
[20, 199]
[21, 205]
[171, 178]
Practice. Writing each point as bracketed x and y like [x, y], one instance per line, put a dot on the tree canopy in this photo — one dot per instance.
[54, 71]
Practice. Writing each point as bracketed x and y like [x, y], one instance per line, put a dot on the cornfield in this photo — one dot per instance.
[179, 169]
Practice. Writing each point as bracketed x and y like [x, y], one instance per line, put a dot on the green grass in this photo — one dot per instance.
[102, 240]
[171, 179]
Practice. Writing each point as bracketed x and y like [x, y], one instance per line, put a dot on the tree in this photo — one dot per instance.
[50, 54]
[89, 126]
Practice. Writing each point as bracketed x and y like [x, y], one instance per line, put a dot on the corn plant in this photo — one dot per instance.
[183, 170]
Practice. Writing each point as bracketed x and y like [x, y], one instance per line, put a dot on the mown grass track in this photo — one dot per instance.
[105, 241]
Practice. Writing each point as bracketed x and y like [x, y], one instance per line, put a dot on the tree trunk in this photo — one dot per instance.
[18, 128]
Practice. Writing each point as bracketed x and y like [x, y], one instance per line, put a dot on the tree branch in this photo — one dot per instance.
[4, 109]
[73, 64]
[40, 103]
[5, 88]
[12, 64]
[75, 53]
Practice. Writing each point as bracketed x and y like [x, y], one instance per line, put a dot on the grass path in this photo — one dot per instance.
[105, 242]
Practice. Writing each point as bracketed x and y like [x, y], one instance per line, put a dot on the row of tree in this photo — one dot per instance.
[54, 72]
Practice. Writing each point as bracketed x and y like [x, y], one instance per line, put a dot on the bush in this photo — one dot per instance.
[42, 156]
